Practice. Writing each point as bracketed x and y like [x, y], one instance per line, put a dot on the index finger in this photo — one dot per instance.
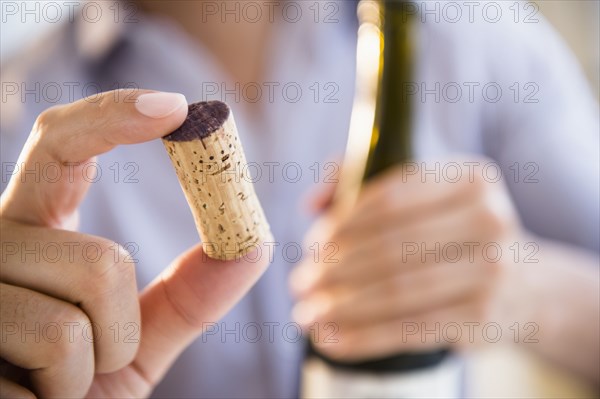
[67, 136]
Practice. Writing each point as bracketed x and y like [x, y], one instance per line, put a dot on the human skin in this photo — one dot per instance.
[373, 300]
[378, 283]
[76, 291]
[564, 285]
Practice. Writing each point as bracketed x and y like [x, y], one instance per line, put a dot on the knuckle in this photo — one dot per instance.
[97, 109]
[108, 265]
[100, 109]
[492, 220]
[74, 342]
[190, 318]
[69, 314]
[477, 186]
[102, 103]
[45, 120]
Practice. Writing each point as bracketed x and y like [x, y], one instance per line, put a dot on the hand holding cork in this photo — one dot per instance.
[209, 160]
[173, 310]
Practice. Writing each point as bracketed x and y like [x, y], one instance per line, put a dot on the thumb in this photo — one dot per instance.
[54, 171]
[321, 197]
[194, 292]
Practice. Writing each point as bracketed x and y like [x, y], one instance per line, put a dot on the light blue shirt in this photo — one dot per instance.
[544, 125]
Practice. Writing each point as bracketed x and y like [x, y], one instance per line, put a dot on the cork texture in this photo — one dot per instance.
[203, 119]
[210, 168]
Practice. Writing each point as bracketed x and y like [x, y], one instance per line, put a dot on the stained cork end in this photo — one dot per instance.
[204, 118]
[209, 160]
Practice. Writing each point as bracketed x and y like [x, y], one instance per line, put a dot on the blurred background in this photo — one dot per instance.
[576, 20]
[517, 375]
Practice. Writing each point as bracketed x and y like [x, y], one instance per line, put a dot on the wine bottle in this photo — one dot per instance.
[391, 142]
[379, 138]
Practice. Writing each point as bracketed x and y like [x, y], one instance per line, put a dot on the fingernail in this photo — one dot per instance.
[160, 105]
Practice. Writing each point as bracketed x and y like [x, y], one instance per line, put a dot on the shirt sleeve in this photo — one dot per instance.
[544, 132]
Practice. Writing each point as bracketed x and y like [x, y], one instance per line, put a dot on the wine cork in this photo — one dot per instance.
[211, 166]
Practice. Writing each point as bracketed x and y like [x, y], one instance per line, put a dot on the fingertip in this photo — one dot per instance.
[158, 105]
[301, 280]
[158, 114]
[181, 112]
[193, 256]
[259, 256]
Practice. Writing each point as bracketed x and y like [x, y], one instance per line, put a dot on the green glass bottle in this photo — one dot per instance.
[391, 136]
[381, 127]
